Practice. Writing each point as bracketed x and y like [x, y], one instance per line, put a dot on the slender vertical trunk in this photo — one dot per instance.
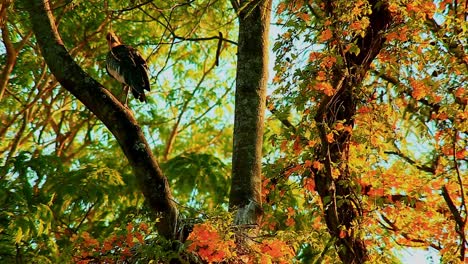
[251, 84]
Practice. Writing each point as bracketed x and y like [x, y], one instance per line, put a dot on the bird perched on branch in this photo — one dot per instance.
[126, 65]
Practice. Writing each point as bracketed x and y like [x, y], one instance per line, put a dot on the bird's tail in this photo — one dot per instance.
[140, 95]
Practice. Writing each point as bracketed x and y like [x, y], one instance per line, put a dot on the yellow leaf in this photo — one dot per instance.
[19, 236]
[336, 173]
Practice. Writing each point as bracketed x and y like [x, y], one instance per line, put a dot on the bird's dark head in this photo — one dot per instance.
[112, 40]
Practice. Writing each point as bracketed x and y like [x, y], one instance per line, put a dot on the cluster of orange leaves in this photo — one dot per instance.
[401, 34]
[209, 245]
[212, 246]
[419, 9]
[325, 87]
[420, 89]
[275, 250]
[90, 250]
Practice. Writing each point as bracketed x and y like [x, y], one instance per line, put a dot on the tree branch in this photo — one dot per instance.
[175, 36]
[460, 229]
[119, 120]
[393, 227]
[455, 48]
[175, 127]
[425, 168]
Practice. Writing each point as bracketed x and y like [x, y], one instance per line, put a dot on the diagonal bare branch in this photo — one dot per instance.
[118, 119]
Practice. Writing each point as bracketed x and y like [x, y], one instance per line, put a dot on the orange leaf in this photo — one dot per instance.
[297, 146]
[460, 92]
[342, 233]
[107, 246]
[126, 252]
[376, 192]
[290, 222]
[356, 25]
[317, 165]
[330, 137]
[419, 89]
[364, 110]
[283, 145]
[276, 79]
[281, 7]
[304, 16]
[314, 56]
[144, 227]
[321, 76]
[393, 8]
[290, 212]
[298, 167]
[325, 35]
[129, 240]
[129, 227]
[411, 7]
[391, 36]
[325, 87]
[139, 236]
[339, 126]
[317, 222]
[328, 62]
[461, 154]
[312, 143]
[309, 184]
[276, 249]
[440, 116]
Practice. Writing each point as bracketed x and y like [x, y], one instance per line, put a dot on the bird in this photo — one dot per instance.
[125, 64]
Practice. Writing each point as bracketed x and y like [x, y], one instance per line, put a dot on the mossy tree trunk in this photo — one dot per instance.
[251, 85]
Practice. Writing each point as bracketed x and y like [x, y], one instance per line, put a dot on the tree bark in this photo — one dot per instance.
[118, 119]
[341, 209]
[251, 84]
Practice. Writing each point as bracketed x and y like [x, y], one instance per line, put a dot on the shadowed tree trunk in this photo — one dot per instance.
[341, 209]
[251, 84]
[118, 119]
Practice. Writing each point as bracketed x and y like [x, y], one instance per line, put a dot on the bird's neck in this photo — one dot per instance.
[114, 44]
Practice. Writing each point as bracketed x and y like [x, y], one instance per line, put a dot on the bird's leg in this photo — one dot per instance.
[126, 89]
[126, 95]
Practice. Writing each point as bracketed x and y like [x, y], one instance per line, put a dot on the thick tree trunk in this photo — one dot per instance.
[251, 84]
[341, 209]
[110, 111]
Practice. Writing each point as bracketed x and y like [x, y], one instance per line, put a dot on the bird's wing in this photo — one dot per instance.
[127, 65]
[142, 66]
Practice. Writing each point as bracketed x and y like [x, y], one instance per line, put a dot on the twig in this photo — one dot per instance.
[425, 168]
[394, 227]
[218, 49]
